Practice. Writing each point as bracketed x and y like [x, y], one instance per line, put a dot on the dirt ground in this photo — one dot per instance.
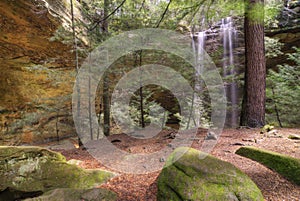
[143, 187]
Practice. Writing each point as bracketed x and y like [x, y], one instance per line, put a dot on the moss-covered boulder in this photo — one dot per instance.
[35, 169]
[287, 166]
[194, 178]
[67, 194]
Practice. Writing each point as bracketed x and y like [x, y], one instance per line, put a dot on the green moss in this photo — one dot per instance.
[287, 166]
[266, 128]
[65, 175]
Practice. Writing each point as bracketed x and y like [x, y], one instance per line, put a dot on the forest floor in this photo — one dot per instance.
[143, 187]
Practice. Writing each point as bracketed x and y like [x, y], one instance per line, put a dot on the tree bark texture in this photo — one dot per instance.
[253, 107]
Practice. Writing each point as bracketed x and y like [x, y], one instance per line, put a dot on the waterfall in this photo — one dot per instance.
[198, 45]
[199, 52]
[229, 36]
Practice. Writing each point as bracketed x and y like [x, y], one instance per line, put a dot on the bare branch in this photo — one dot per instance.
[163, 15]
[108, 16]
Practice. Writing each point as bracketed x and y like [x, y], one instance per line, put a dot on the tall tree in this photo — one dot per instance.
[76, 60]
[106, 94]
[253, 107]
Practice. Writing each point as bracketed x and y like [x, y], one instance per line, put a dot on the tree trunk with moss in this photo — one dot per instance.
[253, 107]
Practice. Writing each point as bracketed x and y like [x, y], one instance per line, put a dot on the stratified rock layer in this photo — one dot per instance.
[37, 70]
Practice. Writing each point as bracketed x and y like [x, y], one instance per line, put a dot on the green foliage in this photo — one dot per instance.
[134, 14]
[255, 13]
[149, 106]
[179, 14]
[285, 165]
[152, 110]
[272, 10]
[283, 91]
[273, 47]
[265, 13]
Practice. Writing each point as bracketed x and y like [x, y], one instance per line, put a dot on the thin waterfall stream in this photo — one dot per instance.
[228, 35]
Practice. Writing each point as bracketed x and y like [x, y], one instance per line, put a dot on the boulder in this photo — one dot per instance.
[67, 194]
[36, 169]
[194, 177]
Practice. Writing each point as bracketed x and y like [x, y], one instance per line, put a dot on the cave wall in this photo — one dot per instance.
[37, 71]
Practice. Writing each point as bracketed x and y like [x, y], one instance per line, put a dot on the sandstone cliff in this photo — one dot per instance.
[37, 70]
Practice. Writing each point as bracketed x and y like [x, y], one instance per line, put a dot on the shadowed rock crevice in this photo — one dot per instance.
[12, 195]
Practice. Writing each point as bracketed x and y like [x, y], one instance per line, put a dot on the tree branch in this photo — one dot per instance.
[106, 17]
[142, 6]
[163, 15]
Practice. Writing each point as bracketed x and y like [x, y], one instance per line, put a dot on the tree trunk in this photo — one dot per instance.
[106, 106]
[106, 94]
[141, 92]
[275, 108]
[253, 107]
[74, 36]
[76, 63]
[105, 14]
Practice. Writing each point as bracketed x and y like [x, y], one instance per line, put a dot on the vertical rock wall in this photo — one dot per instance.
[37, 71]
